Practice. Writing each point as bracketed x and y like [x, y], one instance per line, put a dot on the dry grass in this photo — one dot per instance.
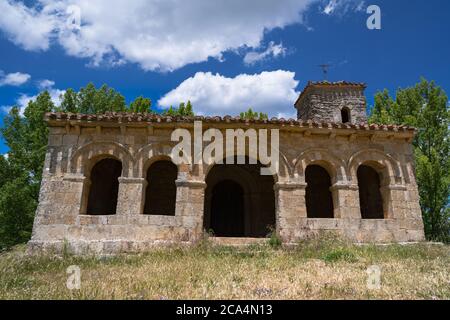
[317, 269]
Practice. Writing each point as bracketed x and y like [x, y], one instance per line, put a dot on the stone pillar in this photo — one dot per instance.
[131, 196]
[60, 203]
[394, 201]
[189, 206]
[345, 201]
[290, 208]
[412, 221]
[77, 193]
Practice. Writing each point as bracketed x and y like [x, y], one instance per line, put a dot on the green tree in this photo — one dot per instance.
[189, 110]
[424, 106]
[69, 101]
[140, 105]
[26, 137]
[183, 110]
[21, 173]
[253, 115]
[91, 100]
[17, 206]
[170, 112]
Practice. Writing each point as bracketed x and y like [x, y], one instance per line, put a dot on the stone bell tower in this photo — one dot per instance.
[337, 102]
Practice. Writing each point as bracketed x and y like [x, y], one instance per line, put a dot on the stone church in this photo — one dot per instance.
[110, 185]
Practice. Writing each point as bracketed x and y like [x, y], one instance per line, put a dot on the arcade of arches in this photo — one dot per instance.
[238, 201]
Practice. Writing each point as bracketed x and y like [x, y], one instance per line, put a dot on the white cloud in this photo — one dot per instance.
[13, 79]
[45, 84]
[330, 7]
[29, 28]
[24, 99]
[273, 50]
[213, 94]
[342, 7]
[158, 35]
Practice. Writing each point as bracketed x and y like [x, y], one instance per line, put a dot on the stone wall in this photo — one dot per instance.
[325, 103]
[75, 147]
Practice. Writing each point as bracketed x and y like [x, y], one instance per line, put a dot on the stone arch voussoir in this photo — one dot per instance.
[335, 166]
[382, 162]
[85, 157]
[151, 153]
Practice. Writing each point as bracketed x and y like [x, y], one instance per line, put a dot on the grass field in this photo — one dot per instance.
[325, 268]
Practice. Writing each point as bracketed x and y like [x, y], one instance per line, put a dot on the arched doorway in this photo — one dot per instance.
[370, 199]
[161, 193]
[239, 201]
[104, 188]
[319, 201]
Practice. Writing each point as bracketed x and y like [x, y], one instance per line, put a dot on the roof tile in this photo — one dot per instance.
[155, 118]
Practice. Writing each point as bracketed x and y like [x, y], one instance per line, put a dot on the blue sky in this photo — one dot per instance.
[223, 58]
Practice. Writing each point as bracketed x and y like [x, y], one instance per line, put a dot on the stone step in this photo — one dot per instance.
[230, 241]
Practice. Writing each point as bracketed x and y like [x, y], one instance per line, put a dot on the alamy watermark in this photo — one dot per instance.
[374, 277]
[190, 150]
[374, 20]
[73, 21]
[74, 280]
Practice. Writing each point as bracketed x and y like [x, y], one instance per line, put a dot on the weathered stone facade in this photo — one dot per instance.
[77, 142]
[324, 102]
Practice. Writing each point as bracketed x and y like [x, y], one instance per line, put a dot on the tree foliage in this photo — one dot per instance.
[141, 105]
[90, 100]
[184, 110]
[21, 173]
[253, 115]
[424, 106]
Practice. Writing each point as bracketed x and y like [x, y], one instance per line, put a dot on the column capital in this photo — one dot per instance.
[343, 186]
[191, 184]
[289, 185]
[395, 187]
[126, 180]
[74, 178]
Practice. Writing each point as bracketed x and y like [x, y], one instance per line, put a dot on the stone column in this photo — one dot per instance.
[189, 206]
[290, 208]
[412, 221]
[131, 196]
[345, 201]
[77, 187]
[394, 201]
[60, 203]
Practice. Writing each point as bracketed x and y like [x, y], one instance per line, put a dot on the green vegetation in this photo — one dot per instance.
[184, 110]
[253, 115]
[321, 268]
[424, 106]
[275, 241]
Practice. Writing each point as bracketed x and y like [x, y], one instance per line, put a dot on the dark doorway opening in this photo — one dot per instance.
[104, 187]
[227, 204]
[345, 115]
[319, 201]
[370, 199]
[161, 193]
[239, 201]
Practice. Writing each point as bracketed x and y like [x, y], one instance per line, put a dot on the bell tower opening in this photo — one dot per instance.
[345, 115]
